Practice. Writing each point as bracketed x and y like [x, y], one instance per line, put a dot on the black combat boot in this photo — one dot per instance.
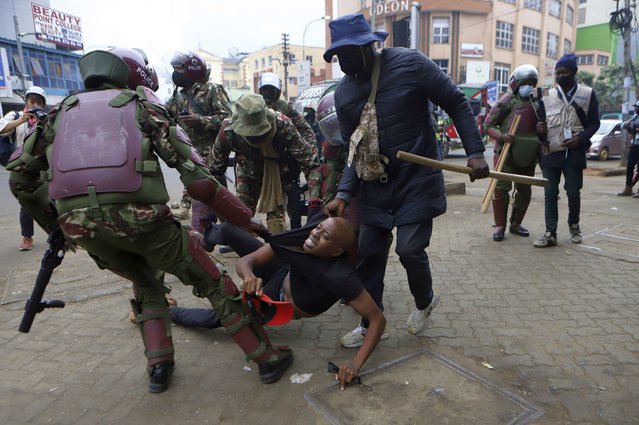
[159, 375]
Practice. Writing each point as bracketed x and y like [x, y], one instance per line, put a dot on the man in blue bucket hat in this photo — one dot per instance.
[408, 196]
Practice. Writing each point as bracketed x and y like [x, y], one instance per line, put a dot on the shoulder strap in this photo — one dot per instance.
[375, 78]
[580, 113]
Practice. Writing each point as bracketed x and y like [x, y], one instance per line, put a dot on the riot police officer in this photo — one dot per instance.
[524, 151]
[270, 87]
[106, 191]
[199, 106]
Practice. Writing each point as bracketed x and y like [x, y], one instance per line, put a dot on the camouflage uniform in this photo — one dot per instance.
[211, 103]
[133, 233]
[522, 156]
[249, 163]
[291, 178]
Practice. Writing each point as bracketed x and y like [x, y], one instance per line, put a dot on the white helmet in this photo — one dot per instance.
[269, 79]
[270, 87]
[36, 90]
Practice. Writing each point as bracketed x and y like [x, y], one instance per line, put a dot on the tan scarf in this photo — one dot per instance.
[271, 194]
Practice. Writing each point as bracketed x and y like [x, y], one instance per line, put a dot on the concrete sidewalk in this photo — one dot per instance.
[554, 331]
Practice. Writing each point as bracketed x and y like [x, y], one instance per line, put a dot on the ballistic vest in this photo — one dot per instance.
[99, 155]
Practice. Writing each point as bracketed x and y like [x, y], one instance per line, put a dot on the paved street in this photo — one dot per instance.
[556, 329]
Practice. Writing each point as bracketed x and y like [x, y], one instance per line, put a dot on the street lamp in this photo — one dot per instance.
[323, 18]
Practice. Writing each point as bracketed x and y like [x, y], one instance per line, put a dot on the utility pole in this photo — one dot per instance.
[23, 67]
[285, 62]
[628, 77]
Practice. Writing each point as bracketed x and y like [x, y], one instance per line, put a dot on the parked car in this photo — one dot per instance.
[607, 141]
[611, 116]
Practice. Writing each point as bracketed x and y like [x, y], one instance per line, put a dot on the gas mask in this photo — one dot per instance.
[179, 79]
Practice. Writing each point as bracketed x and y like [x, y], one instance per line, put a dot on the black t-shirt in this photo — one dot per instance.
[316, 283]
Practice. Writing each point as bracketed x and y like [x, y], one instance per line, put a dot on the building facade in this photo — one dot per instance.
[48, 65]
[271, 59]
[475, 41]
[597, 46]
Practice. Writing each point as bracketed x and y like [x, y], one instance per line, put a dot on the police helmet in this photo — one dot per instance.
[117, 65]
[521, 74]
[327, 120]
[270, 87]
[191, 65]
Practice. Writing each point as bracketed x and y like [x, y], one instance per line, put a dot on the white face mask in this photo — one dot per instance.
[525, 91]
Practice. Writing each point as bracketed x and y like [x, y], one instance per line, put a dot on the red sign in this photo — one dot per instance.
[56, 27]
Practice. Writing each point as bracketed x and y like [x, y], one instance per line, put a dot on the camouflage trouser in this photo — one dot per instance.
[143, 258]
[248, 190]
[523, 192]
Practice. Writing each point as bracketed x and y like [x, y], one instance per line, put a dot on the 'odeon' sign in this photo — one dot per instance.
[390, 7]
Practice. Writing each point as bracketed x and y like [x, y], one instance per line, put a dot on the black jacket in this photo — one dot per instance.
[408, 80]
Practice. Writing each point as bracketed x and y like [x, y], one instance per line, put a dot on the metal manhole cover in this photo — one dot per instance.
[423, 387]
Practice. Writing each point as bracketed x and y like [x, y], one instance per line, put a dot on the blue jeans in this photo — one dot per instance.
[412, 241]
[573, 182]
[26, 223]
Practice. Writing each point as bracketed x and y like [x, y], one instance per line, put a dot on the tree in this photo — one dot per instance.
[609, 87]
[585, 77]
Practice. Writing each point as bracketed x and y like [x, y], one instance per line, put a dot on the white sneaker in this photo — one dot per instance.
[355, 338]
[420, 319]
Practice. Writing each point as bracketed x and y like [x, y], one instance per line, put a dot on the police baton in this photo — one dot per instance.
[427, 162]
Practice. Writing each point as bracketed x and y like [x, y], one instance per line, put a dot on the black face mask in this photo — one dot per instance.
[352, 61]
[270, 94]
[565, 81]
[179, 79]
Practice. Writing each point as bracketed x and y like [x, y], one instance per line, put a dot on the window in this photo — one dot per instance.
[569, 15]
[567, 46]
[462, 75]
[263, 62]
[581, 15]
[533, 4]
[16, 63]
[602, 60]
[441, 30]
[552, 44]
[270, 60]
[55, 73]
[443, 64]
[554, 8]
[585, 59]
[256, 64]
[36, 67]
[309, 58]
[530, 41]
[502, 72]
[504, 35]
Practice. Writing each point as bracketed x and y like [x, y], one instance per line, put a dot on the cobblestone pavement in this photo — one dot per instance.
[559, 326]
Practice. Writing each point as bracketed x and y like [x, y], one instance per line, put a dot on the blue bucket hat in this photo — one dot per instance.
[351, 30]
